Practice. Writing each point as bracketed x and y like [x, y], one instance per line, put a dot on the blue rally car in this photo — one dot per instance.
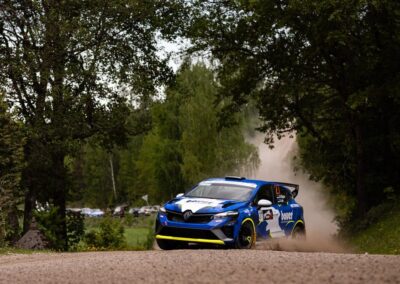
[232, 211]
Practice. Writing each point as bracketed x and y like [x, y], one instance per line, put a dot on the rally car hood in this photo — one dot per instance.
[203, 205]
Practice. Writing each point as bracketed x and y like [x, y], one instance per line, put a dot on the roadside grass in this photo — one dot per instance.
[11, 250]
[138, 238]
[383, 235]
[138, 232]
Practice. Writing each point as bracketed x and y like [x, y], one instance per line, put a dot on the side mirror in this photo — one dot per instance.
[180, 195]
[264, 203]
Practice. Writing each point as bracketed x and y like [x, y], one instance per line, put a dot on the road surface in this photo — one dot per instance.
[200, 266]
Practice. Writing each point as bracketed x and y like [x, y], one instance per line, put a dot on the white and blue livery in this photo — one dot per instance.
[231, 211]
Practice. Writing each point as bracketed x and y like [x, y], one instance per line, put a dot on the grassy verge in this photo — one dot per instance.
[382, 236]
[11, 250]
[138, 232]
[139, 238]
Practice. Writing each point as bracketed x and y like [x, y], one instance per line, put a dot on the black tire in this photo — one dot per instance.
[246, 236]
[169, 245]
[299, 233]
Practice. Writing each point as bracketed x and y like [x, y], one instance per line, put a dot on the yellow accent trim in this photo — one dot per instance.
[162, 237]
[290, 222]
[299, 221]
[254, 230]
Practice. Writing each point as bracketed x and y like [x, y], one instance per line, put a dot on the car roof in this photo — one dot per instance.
[243, 180]
[257, 182]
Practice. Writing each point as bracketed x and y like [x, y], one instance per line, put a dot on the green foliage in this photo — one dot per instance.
[11, 165]
[325, 69]
[109, 236]
[380, 232]
[186, 144]
[328, 164]
[97, 186]
[140, 237]
[13, 250]
[49, 223]
[69, 67]
[148, 244]
[75, 229]
[93, 182]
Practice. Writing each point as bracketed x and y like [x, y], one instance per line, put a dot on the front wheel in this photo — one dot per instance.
[246, 237]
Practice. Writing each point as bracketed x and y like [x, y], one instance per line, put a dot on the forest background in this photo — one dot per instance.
[84, 87]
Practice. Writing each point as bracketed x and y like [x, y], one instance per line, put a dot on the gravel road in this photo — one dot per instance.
[200, 266]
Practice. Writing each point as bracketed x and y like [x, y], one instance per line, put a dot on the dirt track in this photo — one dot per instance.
[199, 266]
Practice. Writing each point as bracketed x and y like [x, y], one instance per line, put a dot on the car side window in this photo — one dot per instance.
[283, 195]
[265, 192]
[279, 194]
[288, 195]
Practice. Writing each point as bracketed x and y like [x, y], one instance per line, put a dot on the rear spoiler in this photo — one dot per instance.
[294, 188]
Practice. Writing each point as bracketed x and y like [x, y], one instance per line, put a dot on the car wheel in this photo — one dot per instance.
[169, 245]
[298, 233]
[246, 236]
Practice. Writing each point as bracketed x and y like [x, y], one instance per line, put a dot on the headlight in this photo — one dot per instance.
[226, 214]
[162, 209]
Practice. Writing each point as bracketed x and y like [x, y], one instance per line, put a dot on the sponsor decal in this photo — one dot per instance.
[220, 182]
[195, 205]
[286, 216]
[264, 215]
[273, 227]
[198, 201]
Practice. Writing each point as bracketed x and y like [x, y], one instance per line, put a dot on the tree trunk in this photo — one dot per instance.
[60, 198]
[28, 209]
[112, 176]
[28, 182]
[31, 176]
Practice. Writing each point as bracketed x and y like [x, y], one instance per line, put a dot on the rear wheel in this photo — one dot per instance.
[168, 245]
[246, 236]
[299, 233]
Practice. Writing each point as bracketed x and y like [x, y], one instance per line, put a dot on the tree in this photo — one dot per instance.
[11, 164]
[97, 185]
[127, 178]
[67, 66]
[186, 144]
[324, 69]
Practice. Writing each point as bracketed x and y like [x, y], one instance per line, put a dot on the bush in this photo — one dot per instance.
[110, 235]
[381, 233]
[129, 220]
[150, 234]
[49, 223]
[150, 239]
[75, 229]
[10, 230]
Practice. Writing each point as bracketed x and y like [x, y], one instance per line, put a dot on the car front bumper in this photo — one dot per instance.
[220, 231]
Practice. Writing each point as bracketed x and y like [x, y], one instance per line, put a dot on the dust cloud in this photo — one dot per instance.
[277, 165]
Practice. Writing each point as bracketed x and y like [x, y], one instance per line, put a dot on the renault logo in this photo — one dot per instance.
[187, 215]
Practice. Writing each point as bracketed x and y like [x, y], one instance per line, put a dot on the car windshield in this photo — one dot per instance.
[221, 191]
